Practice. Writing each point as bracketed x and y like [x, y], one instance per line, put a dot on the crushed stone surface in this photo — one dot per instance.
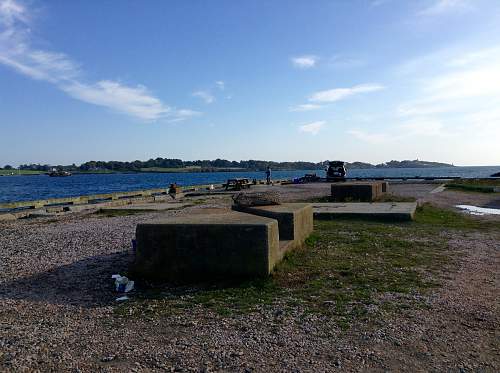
[57, 312]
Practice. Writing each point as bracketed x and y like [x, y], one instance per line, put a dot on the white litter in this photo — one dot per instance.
[121, 299]
[474, 210]
[122, 283]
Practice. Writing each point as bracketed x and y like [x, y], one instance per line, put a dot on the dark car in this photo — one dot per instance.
[336, 171]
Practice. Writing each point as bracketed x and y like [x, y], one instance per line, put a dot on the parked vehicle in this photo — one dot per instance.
[336, 171]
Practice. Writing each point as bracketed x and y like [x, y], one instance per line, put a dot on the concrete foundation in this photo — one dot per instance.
[295, 220]
[358, 191]
[197, 247]
[392, 211]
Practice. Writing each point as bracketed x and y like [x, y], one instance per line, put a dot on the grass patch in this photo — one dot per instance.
[348, 269]
[474, 185]
[20, 172]
[111, 213]
[170, 170]
[433, 219]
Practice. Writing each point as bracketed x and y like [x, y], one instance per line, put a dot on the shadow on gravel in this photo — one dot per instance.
[85, 283]
[495, 204]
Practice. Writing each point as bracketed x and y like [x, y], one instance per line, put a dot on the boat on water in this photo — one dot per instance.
[59, 173]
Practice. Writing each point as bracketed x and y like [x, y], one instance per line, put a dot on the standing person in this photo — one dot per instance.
[268, 175]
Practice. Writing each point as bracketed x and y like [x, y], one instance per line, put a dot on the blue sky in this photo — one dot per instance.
[367, 80]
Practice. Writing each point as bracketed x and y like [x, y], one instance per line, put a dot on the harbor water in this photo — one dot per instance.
[26, 188]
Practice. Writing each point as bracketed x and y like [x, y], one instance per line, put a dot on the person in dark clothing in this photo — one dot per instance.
[268, 175]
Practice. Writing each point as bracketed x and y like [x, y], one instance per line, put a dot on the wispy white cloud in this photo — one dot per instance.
[466, 82]
[438, 7]
[474, 57]
[11, 12]
[205, 96]
[134, 101]
[220, 84]
[453, 110]
[306, 107]
[337, 94]
[60, 70]
[183, 114]
[424, 127]
[305, 62]
[312, 128]
[475, 82]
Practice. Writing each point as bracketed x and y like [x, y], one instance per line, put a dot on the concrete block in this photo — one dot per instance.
[197, 247]
[356, 191]
[295, 220]
[389, 211]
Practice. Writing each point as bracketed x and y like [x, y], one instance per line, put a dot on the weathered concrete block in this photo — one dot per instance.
[295, 220]
[356, 191]
[197, 247]
[388, 211]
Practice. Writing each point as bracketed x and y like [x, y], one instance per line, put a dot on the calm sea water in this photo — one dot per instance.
[25, 188]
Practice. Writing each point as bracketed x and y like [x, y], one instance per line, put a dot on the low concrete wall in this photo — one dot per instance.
[197, 247]
[52, 202]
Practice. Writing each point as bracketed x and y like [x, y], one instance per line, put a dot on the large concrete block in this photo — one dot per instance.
[357, 191]
[295, 220]
[197, 247]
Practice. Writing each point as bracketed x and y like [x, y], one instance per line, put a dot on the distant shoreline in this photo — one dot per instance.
[169, 165]
[192, 170]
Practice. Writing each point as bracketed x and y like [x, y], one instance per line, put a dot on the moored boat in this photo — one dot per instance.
[59, 173]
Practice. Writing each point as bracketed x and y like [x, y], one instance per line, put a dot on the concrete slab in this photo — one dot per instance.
[396, 211]
[358, 191]
[197, 247]
[295, 220]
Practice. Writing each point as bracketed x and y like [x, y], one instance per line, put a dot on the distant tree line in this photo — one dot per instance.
[213, 165]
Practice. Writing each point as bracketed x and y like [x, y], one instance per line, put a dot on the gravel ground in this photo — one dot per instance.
[57, 302]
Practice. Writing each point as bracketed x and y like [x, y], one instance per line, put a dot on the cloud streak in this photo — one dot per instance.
[305, 62]
[306, 107]
[205, 96]
[312, 128]
[337, 94]
[58, 69]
